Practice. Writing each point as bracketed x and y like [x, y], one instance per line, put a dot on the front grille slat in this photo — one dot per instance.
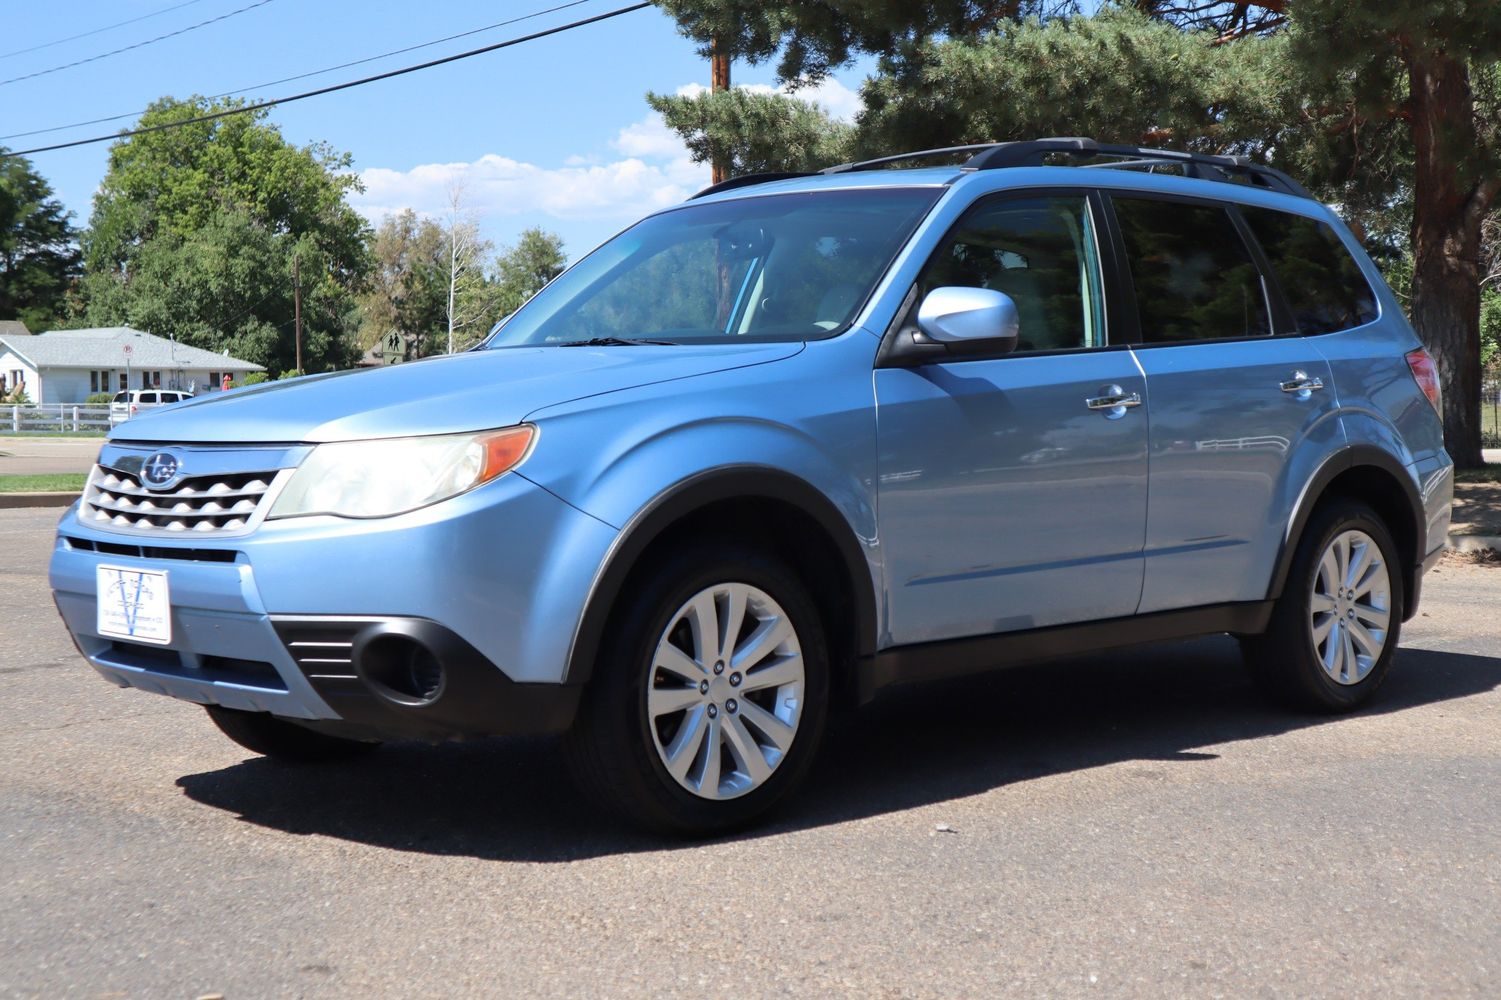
[198, 505]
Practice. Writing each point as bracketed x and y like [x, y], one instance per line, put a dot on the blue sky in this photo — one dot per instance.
[552, 133]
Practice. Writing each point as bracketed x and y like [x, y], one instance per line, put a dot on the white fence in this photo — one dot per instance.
[54, 418]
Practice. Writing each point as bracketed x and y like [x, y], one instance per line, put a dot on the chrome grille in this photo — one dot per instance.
[198, 505]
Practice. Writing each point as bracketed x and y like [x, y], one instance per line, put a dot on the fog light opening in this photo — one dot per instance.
[402, 669]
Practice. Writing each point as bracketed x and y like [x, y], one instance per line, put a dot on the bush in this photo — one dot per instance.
[95, 398]
[255, 378]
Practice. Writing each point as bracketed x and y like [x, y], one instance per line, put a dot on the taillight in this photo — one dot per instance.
[1426, 374]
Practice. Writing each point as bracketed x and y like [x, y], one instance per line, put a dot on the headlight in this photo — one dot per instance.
[394, 475]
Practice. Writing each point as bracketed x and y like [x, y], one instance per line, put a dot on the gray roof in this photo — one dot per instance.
[13, 328]
[103, 347]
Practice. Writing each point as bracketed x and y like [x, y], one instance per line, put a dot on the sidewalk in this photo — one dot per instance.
[28, 456]
[1476, 522]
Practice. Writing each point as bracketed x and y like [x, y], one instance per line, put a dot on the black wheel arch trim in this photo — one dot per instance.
[1340, 462]
[738, 482]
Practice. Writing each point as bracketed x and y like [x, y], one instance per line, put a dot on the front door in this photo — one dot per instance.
[1006, 500]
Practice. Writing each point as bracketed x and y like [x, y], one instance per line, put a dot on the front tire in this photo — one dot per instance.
[709, 702]
[1332, 635]
[278, 739]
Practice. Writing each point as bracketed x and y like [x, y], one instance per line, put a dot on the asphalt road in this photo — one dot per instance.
[1139, 825]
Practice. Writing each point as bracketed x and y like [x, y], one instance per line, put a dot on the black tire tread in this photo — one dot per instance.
[1281, 660]
[610, 759]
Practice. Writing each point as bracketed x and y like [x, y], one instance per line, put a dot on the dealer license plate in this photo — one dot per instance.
[133, 604]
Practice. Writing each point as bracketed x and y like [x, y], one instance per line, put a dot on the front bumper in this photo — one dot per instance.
[493, 580]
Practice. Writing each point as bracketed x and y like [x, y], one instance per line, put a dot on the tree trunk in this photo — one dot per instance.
[1448, 210]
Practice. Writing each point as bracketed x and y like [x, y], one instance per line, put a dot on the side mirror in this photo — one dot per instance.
[970, 318]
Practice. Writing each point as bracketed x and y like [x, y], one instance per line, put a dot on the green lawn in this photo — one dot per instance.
[57, 482]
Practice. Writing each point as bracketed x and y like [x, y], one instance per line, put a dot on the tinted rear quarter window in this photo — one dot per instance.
[1194, 277]
[1322, 282]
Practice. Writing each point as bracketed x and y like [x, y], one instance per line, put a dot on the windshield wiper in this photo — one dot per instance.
[613, 342]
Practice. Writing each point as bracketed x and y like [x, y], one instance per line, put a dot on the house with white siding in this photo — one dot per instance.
[66, 366]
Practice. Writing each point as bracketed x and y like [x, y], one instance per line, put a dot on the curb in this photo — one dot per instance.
[9, 501]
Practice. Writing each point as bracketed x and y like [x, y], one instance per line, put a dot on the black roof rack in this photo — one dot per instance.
[1033, 153]
[745, 180]
[1205, 166]
[921, 154]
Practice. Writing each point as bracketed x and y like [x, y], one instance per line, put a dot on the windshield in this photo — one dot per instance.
[773, 268]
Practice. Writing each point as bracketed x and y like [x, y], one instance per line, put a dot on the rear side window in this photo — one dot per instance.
[1194, 277]
[146, 397]
[1323, 284]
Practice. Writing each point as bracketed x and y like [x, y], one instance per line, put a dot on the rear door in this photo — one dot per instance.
[1236, 395]
[1005, 500]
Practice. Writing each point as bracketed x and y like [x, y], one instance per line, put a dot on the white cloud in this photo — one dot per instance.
[649, 169]
[650, 138]
[497, 185]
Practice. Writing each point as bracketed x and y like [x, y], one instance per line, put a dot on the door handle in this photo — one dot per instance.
[1115, 398]
[1301, 383]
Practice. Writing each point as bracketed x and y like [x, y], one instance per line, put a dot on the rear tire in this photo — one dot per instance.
[278, 739]
[710, 697]
[1332, 635]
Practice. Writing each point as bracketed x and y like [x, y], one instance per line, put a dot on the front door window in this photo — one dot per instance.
[1041, 252]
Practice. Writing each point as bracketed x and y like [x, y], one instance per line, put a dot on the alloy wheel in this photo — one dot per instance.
[1350, 608]
[725, 691]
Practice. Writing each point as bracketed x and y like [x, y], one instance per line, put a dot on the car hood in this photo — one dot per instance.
[452, 394]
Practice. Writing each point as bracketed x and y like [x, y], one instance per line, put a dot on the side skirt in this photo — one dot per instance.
[930, 661]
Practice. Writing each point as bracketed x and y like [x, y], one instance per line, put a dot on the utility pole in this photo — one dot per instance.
[719, 79]
[297, 307]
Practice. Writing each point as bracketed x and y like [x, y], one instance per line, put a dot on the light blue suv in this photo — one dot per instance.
[770, 451]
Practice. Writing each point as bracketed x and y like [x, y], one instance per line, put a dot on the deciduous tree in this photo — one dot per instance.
[522, 269]
[200, 205]
[38, 252]
[407, 292]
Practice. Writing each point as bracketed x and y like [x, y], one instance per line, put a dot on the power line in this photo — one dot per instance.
[316, 72]
[96, 31]
[137, 45]
[337, 86]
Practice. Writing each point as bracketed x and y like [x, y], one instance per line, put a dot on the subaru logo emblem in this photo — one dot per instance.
[160, 469]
